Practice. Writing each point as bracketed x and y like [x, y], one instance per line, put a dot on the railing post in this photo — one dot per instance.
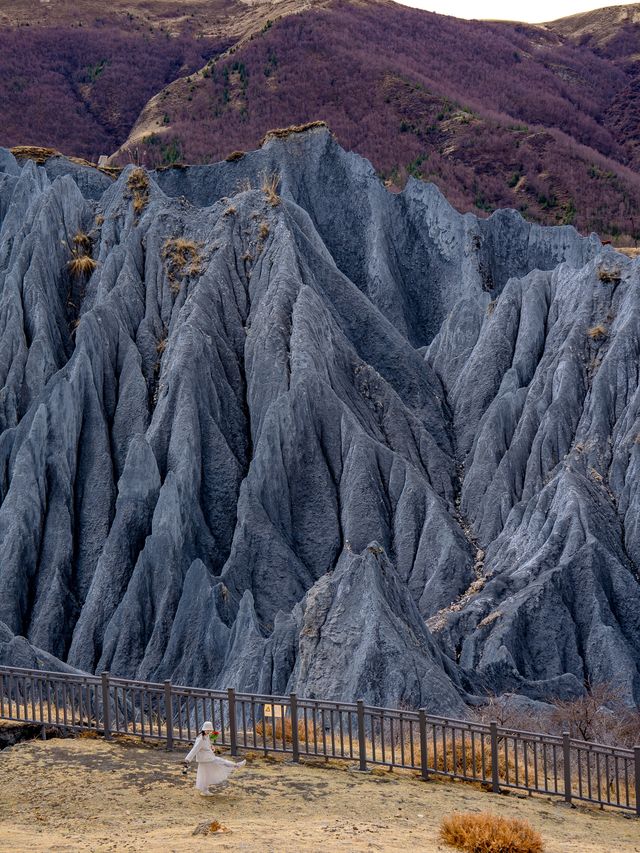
[295, 745]
[636, 761]
[168, 713]
[106, 705]
[566, 760]
[424, 758]
[495, 765]
[362, 741]
[233, 723]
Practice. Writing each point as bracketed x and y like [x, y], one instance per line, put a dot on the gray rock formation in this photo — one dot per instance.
[332, 440]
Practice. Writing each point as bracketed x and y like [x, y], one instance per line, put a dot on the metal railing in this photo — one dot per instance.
[500, 758]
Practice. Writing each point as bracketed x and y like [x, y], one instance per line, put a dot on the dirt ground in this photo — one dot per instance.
[86, 794]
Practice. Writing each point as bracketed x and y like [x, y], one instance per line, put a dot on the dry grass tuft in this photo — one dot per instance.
[629, 251]
[267, 728]
[597, 333]
[82, 242]
[234, 156]
[81, 265]
[230, 211]
[609, 276]
[283, 132]
[34, 152]
[264, 230]
[138, 184]
[99, 220]
[270, 185]
[489, 833]
[161, 346]
[182, 257]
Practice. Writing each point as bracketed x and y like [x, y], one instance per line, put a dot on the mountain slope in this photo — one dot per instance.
[540, 118]
[497, 115]
[276, 438]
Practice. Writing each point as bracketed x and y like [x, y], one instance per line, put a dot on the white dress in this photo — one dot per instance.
[212, 769]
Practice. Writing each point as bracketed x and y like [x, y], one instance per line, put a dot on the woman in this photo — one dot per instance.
[212, 770]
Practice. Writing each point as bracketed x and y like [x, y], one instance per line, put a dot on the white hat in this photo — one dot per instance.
[207, 727]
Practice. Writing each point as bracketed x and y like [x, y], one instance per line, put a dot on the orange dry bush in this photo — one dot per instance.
[270, 189]
[138, 183]
[267, 728]
[488, 833]
[283, 132]
[609, 276]
[597, 333]
[467, 761]
[81, 265]
[234, 156]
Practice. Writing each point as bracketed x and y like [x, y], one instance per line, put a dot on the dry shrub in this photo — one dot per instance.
[609, 276]
[489, 833]
[629, 251]
[234, 156]
[597, 333]
[267, 728]
[264, 230]
[601, 714]
[138, 184]
[230, 211]
[283, 132]
[183, 258]
[34, 152]
[270, 185]
[99, 220]
[82, 242]
[161, 346]
[180, 252]
[81, 266]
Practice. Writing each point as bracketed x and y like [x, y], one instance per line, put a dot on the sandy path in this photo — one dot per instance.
[89, 795]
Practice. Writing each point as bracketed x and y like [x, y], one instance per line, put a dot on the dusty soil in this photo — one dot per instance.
[86, 794]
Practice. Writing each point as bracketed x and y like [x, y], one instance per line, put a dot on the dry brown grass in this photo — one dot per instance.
[267, 728]
[597, 333]
[270, 184]
[180, 251]
[629, 251]
[230, 211]
[81, 266]
[234, 156]
[138, 184]
[609, 275]
[489, 833]
[99, 220]
[264, 230]
[161, 346]
[182, 257]
[283, 132]
[34, 152]
[82, 242]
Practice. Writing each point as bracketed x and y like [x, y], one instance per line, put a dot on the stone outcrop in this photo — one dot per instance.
[291, 431]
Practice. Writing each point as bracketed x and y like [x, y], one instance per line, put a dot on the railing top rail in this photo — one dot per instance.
[620, 751]
[50, 674]
[523, 734]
